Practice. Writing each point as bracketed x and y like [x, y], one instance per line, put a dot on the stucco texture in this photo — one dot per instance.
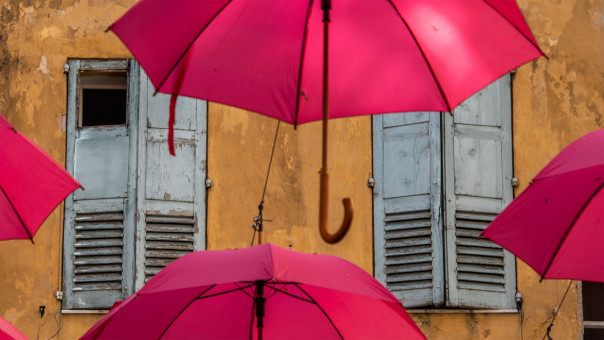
[556, 100]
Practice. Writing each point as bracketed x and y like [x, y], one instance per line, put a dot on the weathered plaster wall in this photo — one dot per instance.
[555, 101]
[36, 38]
[239, 149]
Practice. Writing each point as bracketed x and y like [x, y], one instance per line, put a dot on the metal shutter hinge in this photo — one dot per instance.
[371, 182]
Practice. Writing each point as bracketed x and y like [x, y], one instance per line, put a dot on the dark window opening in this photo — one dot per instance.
[593, 310]
[104, 99]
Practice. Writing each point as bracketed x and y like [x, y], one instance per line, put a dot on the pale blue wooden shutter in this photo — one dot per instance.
[171, 194]
[478, 173]
[98, 224]
[407, 206]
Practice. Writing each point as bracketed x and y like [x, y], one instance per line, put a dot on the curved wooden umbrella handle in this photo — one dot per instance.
[324, 213]
[324, 190]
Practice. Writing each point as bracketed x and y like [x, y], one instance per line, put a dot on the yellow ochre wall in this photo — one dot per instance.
[556, 100]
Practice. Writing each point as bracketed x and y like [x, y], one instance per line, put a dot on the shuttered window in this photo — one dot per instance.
[439, 181]
[141, 208]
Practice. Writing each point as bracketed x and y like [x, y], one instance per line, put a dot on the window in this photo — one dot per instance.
[439, 181]
[141, 208]
[593, 310]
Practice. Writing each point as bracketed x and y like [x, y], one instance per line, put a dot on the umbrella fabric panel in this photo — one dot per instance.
[584, 152]
[9, 220]
[384, 56]
[143, 316]
[541, 215]
[33, 184]
[326, 271]
[509, 9]
[468, 44]
[8, 331]
[352, 315]
[227, 316]
[231, 316]
[582, 249]
[375, 66]
[239, 57]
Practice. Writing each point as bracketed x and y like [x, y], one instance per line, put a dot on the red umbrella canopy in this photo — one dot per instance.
[216, 295]
[305, 60]
[556, 225]
[32, 184]
[384, 56]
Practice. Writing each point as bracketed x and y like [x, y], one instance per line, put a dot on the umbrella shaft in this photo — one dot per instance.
[325, 88]
[260, 312]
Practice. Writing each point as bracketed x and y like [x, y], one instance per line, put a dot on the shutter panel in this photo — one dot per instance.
[407, 206]
[171, 196]
[478, 173]
[98, 222]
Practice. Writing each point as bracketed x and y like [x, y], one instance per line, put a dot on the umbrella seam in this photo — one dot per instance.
[289, 294]
[516, 27]
[303, 53]
[272, 265]
[539, 178]
[18, 215]
[199, 297]
[188, 48]
[572, 225]
[442, 93]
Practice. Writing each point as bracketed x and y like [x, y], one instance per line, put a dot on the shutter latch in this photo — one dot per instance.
[371, 182]
[514, 182]
[208, 183]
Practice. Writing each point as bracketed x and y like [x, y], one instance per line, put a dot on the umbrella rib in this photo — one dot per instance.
[292, 295]
[320, 308]
[190, 45]
[31, 238]
[243, 290]
[516, 27]
[222, 293]
[182, 311]
[302, 54]
[442, 92]
[572, 225]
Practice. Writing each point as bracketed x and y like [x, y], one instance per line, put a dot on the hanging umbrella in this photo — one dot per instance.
[260, 292]
[32, 184]
[556, 225]
[272, 57]
[10, 332]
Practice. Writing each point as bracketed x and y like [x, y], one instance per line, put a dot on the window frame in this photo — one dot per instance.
[443, 206]
[137, 130]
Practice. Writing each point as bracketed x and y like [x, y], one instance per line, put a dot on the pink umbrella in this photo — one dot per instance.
[260, 292]
[272, 57]
[32, 184]
[556, 225]
[10, 332]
